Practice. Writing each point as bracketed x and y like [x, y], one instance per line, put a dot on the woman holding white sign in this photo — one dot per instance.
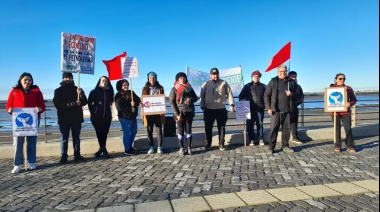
[182, 98]
[25, 95]
[153, 87]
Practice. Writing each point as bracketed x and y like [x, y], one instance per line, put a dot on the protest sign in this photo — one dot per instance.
[25, 122]
[153, 104]
[243, 111]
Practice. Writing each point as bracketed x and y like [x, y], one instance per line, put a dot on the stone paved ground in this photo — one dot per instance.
[121, 180]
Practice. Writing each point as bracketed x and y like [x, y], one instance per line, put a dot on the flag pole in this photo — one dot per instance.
[288, 72]
[78, 83]
[245, 121]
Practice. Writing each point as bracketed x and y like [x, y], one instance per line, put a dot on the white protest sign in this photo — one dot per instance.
[153, 104]
[78, 53]
[25, 122]
[130, 67]
[243, 110]
[335, 99]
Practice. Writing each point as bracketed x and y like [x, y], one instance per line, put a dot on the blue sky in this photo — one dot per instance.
[328, 37]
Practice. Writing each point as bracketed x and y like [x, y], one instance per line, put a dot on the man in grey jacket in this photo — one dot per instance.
[214, 94]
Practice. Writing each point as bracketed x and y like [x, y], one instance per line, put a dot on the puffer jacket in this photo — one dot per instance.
[124, 107]
[351, 98]
[100, 104]
[254, 92]
[18, 98]
[64, 101]
[179, 108]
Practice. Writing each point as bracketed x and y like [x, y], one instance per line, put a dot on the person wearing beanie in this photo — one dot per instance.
[100, 106]
[254, 93]
[153, 87]
[294, 116]
[127, 103]
[182, 98]
[214, 94]
[68, 100]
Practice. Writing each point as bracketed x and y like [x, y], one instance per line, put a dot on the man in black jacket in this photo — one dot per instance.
[69, 100]
[254, 92]
[280, 96]
[294, 116]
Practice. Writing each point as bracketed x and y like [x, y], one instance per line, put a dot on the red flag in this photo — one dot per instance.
[114, 67]
[282, 56]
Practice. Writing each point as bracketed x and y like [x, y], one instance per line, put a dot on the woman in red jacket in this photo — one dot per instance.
[24, 95]
[345, 117]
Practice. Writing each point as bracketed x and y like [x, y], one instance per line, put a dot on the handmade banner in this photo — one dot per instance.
[196, 79]
[25, 122]
[243, 110]
[78, 53]
[153, 104]
[335, 99]
[130, 67]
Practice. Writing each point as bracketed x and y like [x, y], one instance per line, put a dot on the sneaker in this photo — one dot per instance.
[189, 151]
[252, 143]
[337, 150]
[297, 141]
[63, 159]
[151, 150]
[351, 150]
[16, 169]
[221, 147]
[129, 152]
[287, 149]
[159, 150]
[181, 152]
[78, 158]
[261, 142]
[99, 153]
[31, 166]
[207, 148]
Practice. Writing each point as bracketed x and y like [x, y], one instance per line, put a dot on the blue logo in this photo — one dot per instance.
[336, 98]
[24, 120]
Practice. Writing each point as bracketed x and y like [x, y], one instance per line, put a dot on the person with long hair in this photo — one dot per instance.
[100, 105]
[25, 94]
[182, 98]
[127, 103]
[153, 87]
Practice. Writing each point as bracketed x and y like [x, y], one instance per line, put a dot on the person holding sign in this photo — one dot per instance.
[254, 92]
[25, 94]
[345, 117]
[182, 98]
[127, 103]
[153, 87]
[68, 100]
[214, 94]
[99, 104]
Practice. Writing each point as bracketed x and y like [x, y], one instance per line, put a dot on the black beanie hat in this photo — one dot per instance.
[180, 74]
[67, 74]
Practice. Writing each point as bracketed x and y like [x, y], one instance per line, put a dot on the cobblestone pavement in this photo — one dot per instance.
[122, 180]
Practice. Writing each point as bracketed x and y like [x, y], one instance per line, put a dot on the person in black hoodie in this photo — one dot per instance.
[99, 103]
[68, 100]
[127, 108]
[182, 98]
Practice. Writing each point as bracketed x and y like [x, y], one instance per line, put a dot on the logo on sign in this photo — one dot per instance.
[336, 98]
[24, 120]
[147, 104]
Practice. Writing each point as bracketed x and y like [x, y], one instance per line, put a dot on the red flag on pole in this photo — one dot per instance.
[282, 56]
[114, 67]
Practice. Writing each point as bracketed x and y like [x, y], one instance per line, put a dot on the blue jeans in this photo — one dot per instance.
[129, 132]
[75, 133]
[31, 148]
[256, 118]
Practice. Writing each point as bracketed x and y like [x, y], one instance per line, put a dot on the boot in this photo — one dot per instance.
[78, 157]
[189, 141]
[99, 153]
[63, 159]
[105, 153]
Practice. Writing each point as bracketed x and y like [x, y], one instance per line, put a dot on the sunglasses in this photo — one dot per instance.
[341, 78]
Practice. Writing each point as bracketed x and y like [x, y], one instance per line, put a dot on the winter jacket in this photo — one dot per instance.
[145, 91]
[254, 92]
[180, 108]
[214, 95]
[271, 94]
[301, 96]
[124, 107]
[100, 104]
[64, 101]
[33, 98]
[351, 98]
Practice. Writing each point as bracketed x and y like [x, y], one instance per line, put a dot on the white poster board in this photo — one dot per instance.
[153, 104]
[243, 110]
[25, 122]
[78, 53]
[335, 99]
[130, 67]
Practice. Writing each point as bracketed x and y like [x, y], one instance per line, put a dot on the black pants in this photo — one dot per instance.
[294, 123]
[221, 119]
[184, 126]
[102, 128]
[276, 120]
[154, 120]
[347, 128]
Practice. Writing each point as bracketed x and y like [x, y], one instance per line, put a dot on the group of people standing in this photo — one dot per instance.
[280, 97]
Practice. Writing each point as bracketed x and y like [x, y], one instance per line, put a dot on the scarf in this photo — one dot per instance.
[181, 89]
